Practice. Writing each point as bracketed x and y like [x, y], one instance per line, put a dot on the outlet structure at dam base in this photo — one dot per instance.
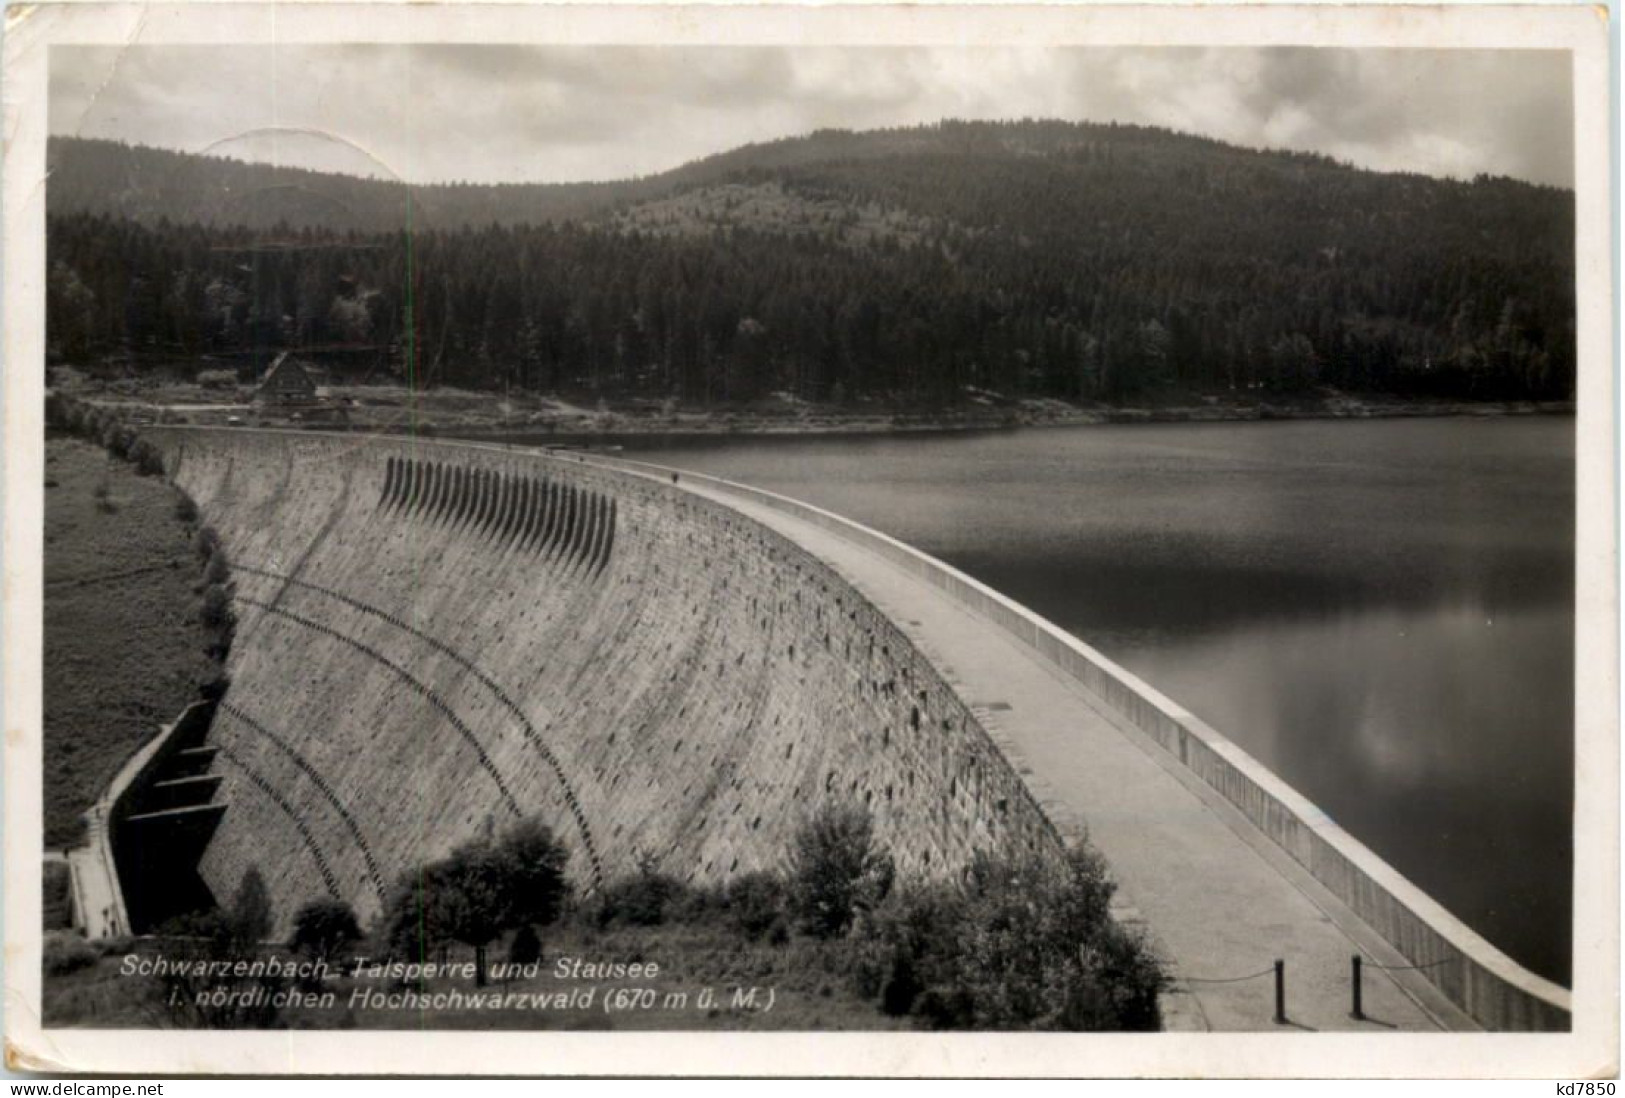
[435, 638]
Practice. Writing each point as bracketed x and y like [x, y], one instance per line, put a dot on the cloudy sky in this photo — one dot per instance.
[521, 113]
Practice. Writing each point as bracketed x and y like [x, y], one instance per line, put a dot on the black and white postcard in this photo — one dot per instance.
[1029, 540]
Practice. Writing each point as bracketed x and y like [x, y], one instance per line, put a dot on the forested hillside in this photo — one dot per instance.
[1083, 262]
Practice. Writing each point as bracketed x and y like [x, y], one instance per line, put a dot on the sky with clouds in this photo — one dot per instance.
[555, 114]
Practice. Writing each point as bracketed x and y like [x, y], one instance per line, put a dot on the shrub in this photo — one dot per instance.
[901, 986]
[526, 947]
[531, 861]
[118, 440]
[642, 899]
[481, 889]
[249, 1002]
[214, 687]
[1023, 943]
[56, 896]
[250, 917]
[1026, 927]
[835, 870]
[464, 899]
[945, 1008]
[909, 946]
[206, 542]
[215, 609]
[212, 926]
[65, 952]
[216, 571]
[755, 904]
[696, 903]
[405, 929]
[148, 460]
[323, 929]
[185, 509]
[220, 647]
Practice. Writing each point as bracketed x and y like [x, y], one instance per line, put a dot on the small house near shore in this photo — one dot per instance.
[288, 382]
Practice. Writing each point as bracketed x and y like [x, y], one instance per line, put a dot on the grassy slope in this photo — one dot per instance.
[123, 652]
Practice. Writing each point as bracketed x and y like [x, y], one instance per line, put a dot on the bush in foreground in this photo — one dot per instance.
[755, 906]
[214, 687]
[215, 609]
[1020, 944]
[482, 889]
[324, 929]
[147, 458]
[192, 996]
[250, 914]
[837, 870]
[644, 899]
[526, 947]
[56, 896]
[206, 542]
[216, 570]
[65, 952]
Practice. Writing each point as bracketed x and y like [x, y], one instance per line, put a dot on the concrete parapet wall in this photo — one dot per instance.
[1495, 990]
[435, 637]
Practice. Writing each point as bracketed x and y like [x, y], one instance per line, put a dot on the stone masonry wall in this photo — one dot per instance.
[432, 636]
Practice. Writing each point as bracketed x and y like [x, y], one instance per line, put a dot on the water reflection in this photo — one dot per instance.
[1381, 612]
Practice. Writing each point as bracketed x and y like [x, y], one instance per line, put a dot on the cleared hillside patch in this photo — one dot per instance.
[774, 208]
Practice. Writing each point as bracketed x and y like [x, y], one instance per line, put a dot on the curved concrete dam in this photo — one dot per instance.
[433, 635]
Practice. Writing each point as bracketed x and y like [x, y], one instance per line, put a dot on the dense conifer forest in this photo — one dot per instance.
[918, 266]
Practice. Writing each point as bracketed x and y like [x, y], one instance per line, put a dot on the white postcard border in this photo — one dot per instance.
[1591, 1049]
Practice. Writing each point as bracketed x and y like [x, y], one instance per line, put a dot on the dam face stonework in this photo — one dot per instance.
[433, 635]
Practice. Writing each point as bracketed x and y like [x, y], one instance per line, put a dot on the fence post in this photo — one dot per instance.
[1280, 992]
[1354, 963]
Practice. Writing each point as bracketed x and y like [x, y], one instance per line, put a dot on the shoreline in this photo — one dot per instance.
[479, 415]
[718, 424]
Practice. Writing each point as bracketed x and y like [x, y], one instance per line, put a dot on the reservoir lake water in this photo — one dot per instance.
[1382, 612]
